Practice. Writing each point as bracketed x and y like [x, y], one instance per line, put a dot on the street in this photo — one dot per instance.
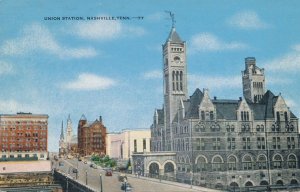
[111, 183]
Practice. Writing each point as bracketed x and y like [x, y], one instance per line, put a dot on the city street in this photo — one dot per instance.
[111, 183]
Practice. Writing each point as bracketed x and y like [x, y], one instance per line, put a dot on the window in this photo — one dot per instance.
[200, 144]
[278, 116]
[291, 142]
[245, 115]
[231, 143]
[292, 161]
[135, 145]
[144, 144]
[211, 115]
[276, 142]
[231, 163]
[201, 164]
[246, 143]
[260, 142]
[277, 161]
[247, 163]
[217, 144]
[202, 115]
[217, 164]
[262, 162]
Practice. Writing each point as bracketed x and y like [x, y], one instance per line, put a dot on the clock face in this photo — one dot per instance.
[177, 59]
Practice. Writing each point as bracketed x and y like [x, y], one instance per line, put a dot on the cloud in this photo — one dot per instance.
[209, 42]
[37, 37]
[105, 30]
[158, 16]
[6, 68]
[289, 62]
[247, 20]
[156, 74]
[215, 81]
[88, 82]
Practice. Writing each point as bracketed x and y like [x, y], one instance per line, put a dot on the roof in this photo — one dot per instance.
[195, 99]
[174, 37]
[227, 109]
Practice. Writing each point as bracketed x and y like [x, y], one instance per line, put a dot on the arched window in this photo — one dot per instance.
[217, 163]
[173, 80]
[177, 80]
[181, 87]
[257, 128]
[262, 128]
[292, 161]
[201, 164]
[247, 162]
[277, 161]
[262, 162]
[231, 163]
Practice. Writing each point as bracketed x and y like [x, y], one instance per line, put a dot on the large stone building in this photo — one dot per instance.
[23, 136]
[91, 137]
[220, 143]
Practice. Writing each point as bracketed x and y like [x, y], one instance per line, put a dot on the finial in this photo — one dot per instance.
[172, 17]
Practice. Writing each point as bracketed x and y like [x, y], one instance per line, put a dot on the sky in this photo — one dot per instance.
[113, 68]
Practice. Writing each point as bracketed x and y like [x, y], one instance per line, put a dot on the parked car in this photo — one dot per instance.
[108, 173]
[61, 163]
[93, 166]
[75, 170]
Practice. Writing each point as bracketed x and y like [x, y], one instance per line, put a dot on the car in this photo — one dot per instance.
[93, 166]
[108, 173]
[61, 163]
[75, 170]
[85, 162]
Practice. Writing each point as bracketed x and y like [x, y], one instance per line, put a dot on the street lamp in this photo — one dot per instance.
[86, 179]
[125, 181]
[101, 189]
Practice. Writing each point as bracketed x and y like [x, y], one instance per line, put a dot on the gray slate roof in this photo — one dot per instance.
[174, 37]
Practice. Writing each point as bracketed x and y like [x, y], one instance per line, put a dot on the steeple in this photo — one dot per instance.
[62, 131]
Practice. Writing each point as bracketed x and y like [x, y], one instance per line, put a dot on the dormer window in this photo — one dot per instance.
[245, 115]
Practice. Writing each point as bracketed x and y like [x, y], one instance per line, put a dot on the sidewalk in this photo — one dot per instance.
[182, 185]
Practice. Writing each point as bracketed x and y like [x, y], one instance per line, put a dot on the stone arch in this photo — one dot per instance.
[292, 161]
[277, 156]
[264, 182]
[154, 167]
[187, 160]
[216, 158]
[234, 184]
[247, 157]
[279, 182]
[249, 184]
[294, 182]
[169, 166]
[230, 157]
[200, 156]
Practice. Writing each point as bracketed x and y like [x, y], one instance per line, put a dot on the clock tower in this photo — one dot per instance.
[175, 81]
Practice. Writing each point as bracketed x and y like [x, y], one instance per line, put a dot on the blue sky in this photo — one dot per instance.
[113, 68]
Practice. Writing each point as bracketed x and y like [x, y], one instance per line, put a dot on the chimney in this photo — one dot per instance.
[215, 98]
[240, 98]
[100, 119]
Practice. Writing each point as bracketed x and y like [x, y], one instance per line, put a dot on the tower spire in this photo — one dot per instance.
[172, 17]
[62, 131]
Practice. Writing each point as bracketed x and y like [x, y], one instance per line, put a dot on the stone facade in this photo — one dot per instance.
[221, 143]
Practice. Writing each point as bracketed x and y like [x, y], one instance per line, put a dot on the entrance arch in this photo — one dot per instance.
[234, 184]
[153, 168]
[294, 182]
[264, 183]
[249, 184]
[279, 182]
[169, 167]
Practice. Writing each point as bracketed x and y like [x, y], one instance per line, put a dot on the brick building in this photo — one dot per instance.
[91, 137]
[23, 136]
